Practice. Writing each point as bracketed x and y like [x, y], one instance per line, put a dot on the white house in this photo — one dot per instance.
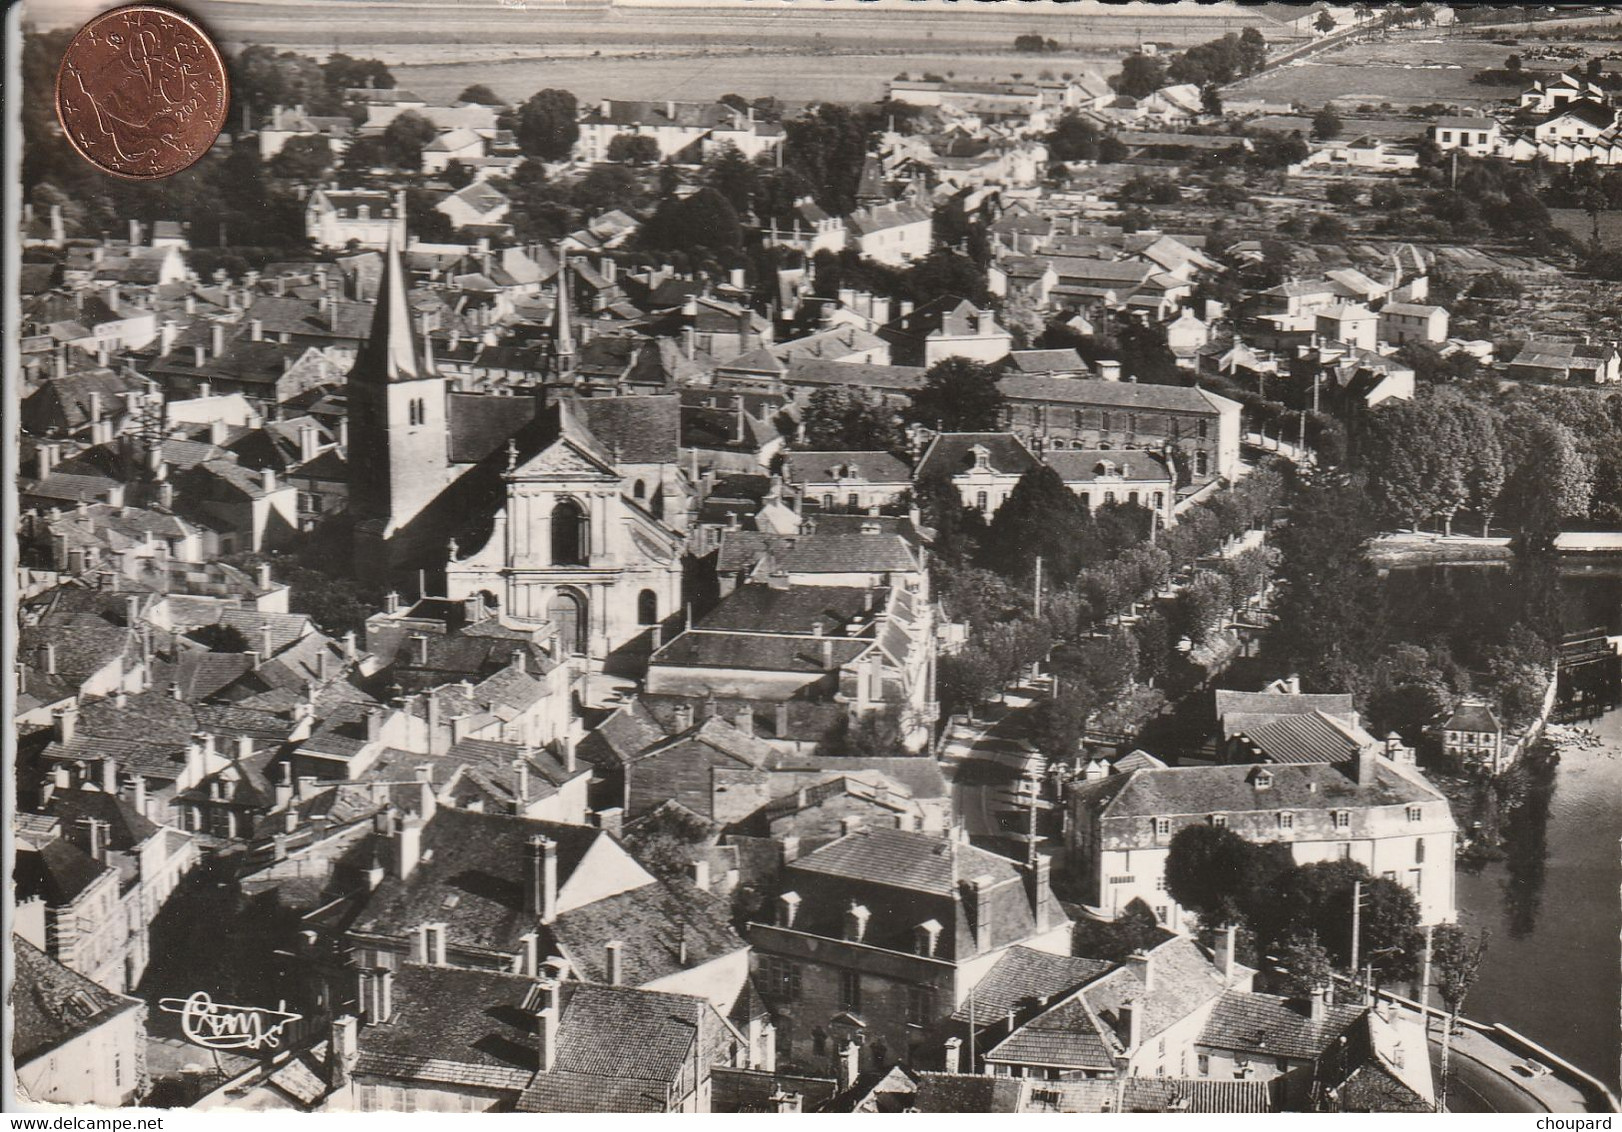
[1479, 137]
[1401, 323]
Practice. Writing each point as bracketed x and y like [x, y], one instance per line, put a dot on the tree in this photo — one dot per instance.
[1073, 138]
[1456, 959]
[457, 175]
[1040, 518]
[363, 154]
[303, 159]
[1211, 99]
[1326, 123]
[944, 273]
[959, 395]
[1513, 63]
[634, 149]
[734, 176]
[547, 125]
[1141, 75]
[1061, 720]
[404, 138]
[704, 219]
[839, 419]
[1342, 194]
[828, 146]
[1203, 606]
[1213, 872]
[965, 680]
[1318, 897]
[1304, 964]
[1325, 23]
[344, 72]
[481, 95]
[262, 78]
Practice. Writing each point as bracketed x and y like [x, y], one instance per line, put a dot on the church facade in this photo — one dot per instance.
[515, 498]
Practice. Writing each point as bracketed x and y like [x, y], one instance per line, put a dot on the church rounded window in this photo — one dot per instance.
[571, 538]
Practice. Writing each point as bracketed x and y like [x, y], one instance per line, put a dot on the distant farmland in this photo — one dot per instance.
[1402, 71]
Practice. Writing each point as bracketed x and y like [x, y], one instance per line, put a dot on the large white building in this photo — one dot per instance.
[1380, 813]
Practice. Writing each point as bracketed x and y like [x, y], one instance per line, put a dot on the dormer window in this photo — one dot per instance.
[926, 937]
[1219, 821]
[1262, 779]
[982, 458]
[1286, 820]
[1343, 819]
[1162, 827]
[1415, 813]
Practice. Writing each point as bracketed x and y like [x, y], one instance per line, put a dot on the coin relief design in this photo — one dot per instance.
[141, 92]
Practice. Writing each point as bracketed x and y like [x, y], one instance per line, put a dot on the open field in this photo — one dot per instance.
[1580, 224]
[752, 74]
[1402, 71]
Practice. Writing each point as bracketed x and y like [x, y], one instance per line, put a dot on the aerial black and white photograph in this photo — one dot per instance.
[813, 556]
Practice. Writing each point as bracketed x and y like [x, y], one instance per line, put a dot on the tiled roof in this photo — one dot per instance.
[1270, 1026]
[823, 372]
[705, 648]
[817, 552]
[1471, 716]
[1083, 465]
[453, 1025]
[951, 453]
[653, 924]
[1070, 1036]
[1047, 361]
[1111, 394]
[1173, 1094]
[947, 316]
[479, 859]
[51, 1005]
[826, 467]
[1278, 703]
[1313, 738]
[635, 430]
[57, 871]
[1023, 976]
[621, 1049]
[967, 1092]
[760, 608]
[922, 862]
[1214, 789]
[126, 828]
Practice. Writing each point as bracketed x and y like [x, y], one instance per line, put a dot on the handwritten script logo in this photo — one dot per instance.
[218, 1025]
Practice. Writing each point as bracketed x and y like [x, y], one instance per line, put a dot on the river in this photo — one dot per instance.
[1552, 905]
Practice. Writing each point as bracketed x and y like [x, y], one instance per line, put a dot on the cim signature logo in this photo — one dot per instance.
[218, 1025]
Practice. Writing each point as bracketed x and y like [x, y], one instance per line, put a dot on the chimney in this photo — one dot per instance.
[305, 787]
[1109, 370]
[521, 773]
[49, 660]
[109, 776]
[849, 824]
[1318, 1004]
[284, 787]
[1131, 1025]
[980, 912]
[570, 764]
[856, 921]
[132, 610]
[349, 646]
[541, 887]
[374, 724]
[1039, 881]
[309, 442]
[216, 341]
[701, 875]
[954, 1055]
[744, 719]
[67, 720]
[849, 1065]
[138, 797]
[612, 967]
[1144, 961]
[788, 909]
[267, 478]
[267, 641]
[1366, 764]
[135, 233]
[684, 716]
[791, 849]
[1292, 684]
[1226, 950]
[546, 1031]
[218, 430]
[95, 830]
[408, 846]
[610, 820]
[782, 719]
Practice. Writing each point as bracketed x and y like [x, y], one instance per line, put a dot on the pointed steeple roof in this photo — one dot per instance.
[562, 331]
[391, 352]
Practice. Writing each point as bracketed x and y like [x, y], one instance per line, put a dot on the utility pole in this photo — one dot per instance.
[1357, 922]
[1425, 980]
[971, 1031]
[1039, 586]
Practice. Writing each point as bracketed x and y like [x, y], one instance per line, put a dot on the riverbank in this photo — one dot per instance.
[1551, 904]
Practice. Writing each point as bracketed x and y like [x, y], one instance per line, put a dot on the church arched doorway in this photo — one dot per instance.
[567, 610]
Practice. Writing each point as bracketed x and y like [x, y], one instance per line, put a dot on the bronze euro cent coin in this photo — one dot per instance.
[142, 92]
